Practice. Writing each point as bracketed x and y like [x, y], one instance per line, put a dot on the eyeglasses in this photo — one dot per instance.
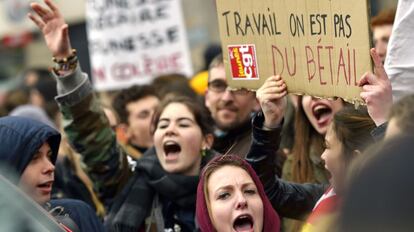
[220, 86]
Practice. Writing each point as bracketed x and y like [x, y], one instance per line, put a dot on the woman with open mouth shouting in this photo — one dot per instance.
[304, 164]
[230, 198]
[164, 186]
[347, 136]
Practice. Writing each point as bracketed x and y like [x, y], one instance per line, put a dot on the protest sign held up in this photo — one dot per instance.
[320, 47]
[131, 42]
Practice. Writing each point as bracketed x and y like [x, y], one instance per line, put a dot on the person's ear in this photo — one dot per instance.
[124, 129]
[207, 99]
[207, 141]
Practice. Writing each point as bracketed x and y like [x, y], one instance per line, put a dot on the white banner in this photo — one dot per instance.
[131, 42]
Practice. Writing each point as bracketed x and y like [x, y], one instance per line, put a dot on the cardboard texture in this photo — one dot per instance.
[319, 47]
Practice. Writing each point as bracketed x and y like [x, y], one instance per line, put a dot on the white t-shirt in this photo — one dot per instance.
[399, 63]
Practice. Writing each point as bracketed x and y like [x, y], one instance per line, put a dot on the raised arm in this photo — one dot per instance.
[289, 199]
[84, 121]
[53, 27]
[399, 63]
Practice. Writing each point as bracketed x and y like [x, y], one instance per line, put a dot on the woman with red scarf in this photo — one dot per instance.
[230, 197]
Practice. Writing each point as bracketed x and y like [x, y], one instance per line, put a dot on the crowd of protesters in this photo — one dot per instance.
[175, 156]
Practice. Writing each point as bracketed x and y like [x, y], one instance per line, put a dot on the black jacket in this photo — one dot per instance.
[167, 199]
[235, 141]
[288, 199]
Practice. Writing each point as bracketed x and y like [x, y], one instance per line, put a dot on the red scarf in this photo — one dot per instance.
[271, 221]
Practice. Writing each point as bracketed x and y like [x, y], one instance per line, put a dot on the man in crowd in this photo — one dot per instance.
[231, 111]
[135, 107]
[381, 26]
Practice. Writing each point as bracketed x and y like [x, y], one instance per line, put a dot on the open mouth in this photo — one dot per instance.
[171, 148]
[322, 113]
[243, 223]
[46, 186]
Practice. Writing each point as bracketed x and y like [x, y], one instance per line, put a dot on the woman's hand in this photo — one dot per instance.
[53, 27]
[376, 91]
[272, 99]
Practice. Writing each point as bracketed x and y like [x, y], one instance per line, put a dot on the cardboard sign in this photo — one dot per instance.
[131, 42]
[319, 47]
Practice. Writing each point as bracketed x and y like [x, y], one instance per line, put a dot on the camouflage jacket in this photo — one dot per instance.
[90, 134]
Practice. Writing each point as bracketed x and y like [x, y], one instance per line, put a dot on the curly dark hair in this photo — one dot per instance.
[132, 94]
